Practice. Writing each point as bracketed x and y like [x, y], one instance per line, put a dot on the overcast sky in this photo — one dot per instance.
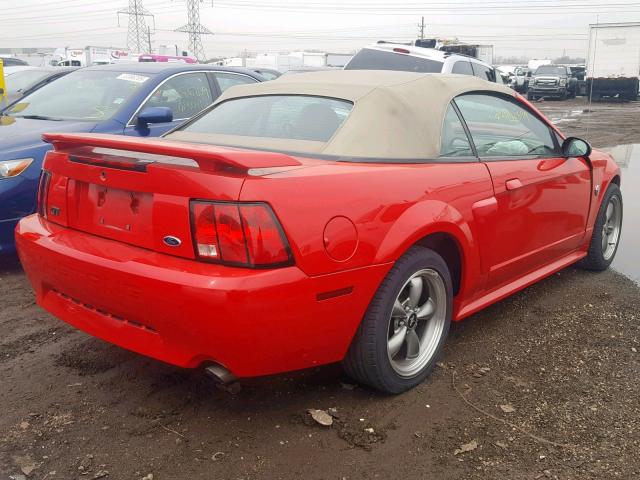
[535, 28]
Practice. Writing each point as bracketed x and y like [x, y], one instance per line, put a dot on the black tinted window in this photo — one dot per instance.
[367, 59]
[483, 72]
[463, 68]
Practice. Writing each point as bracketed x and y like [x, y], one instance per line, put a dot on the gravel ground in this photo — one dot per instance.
[541, 385]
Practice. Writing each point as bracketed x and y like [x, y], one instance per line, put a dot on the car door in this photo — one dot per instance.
[185, 94]
[541, 198]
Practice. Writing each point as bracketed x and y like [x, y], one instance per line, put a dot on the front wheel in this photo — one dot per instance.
[606, 231]
[405, 326]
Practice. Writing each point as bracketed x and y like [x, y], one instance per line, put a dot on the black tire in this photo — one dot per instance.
[367, 360]
[530, 97]
[595, 259]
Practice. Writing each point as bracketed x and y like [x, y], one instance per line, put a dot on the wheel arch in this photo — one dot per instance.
[440, 227]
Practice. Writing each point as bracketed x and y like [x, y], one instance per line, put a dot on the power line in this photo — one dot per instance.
[195, 29]
[138, 32]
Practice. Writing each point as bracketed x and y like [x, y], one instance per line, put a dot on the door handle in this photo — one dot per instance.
[513, 184]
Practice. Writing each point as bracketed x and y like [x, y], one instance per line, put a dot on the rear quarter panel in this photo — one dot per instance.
[392, 207]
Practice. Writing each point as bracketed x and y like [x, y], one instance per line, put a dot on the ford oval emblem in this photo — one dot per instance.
[172, 241]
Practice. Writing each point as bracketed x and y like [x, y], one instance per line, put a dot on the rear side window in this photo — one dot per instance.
[367, 59]
[294, 117]
[500, 127]
[463, 68]
[485, 73]
[454, 142]
[227, 80]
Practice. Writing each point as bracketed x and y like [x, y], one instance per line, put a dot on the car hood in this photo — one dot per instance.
[23, 133]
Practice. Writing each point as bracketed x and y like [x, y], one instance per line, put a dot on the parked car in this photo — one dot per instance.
[551, 81]
[23, 82]
[12, 62]
[520, 79]
[267, 73]
[137, 99]
[397, 56]
[325, 217]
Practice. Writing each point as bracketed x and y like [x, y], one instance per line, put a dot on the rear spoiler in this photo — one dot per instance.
[209, 158]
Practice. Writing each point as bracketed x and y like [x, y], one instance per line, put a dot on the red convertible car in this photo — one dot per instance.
[318, 218]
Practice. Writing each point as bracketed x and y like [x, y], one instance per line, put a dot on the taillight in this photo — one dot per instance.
[43, 192]
[241, 234]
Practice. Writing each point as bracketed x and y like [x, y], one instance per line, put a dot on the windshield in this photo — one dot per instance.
[367, 59]
[550, 70]
[86, 95]
[23, 78]
[295, 117]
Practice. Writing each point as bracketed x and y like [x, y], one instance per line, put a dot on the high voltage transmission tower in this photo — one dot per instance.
[195, 29]
[138, 34]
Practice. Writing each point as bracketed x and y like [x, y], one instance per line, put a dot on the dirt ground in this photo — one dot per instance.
[541, 385]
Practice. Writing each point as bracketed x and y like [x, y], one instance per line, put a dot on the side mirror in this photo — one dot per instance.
[575, 147]
[154, 115]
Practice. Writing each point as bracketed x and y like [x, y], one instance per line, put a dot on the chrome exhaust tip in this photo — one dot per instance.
[220, 374]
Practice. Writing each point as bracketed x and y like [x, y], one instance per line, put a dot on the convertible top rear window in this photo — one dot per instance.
[294, 117]
[368, 59]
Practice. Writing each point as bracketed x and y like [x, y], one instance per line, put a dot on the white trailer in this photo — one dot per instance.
[613, 61]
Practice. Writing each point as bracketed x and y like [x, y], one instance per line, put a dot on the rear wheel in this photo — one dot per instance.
[606, 232]
[406, 324]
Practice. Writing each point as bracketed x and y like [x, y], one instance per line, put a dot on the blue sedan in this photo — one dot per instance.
[145, 99]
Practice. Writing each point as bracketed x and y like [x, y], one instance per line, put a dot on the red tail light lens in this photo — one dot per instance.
[230, 236]
[43, 192]
[264, 235]
[241, 234]
[205, 237]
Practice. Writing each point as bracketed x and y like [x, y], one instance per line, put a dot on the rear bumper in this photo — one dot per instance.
[253, 322]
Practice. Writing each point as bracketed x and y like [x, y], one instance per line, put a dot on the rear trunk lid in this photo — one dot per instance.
[138, 191]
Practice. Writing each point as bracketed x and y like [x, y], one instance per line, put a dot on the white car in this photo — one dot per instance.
[397, 56]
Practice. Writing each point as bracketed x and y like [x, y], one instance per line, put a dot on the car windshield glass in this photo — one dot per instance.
[367, 59]
[295, 117]
[550, 70]
[89, 95]
[23, 78]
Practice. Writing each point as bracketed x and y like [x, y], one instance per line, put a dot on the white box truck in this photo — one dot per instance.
[613, 61]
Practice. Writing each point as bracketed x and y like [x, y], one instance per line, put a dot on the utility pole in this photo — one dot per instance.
[421, 26]
[195, 29]
[138, 37]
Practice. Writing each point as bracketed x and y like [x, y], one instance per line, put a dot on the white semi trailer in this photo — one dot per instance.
[613, 62]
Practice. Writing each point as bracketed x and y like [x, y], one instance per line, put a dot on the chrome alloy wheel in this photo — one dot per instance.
[417, 322]
[611, 227]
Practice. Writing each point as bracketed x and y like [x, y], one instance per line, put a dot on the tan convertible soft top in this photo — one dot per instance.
[395, 115]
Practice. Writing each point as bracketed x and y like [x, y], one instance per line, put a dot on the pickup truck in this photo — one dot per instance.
[552, 81]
